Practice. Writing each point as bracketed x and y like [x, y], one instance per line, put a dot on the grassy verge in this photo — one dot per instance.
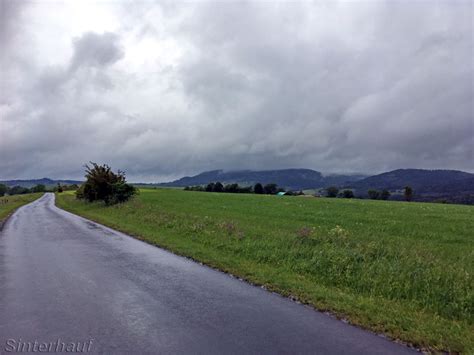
[402, 269]
[8, 204]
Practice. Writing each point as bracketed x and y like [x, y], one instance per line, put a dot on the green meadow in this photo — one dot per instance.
[397, 268]
[8, 204]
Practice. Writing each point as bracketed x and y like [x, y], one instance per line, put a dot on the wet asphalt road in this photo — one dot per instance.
[64, 279]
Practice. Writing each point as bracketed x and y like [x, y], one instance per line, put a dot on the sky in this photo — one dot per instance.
[163, 89]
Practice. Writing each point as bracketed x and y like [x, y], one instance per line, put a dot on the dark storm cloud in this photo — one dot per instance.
[393, 89]
[179, 88]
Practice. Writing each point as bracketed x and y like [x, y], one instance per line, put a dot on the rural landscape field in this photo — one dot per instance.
[400, 269]
[237, 177]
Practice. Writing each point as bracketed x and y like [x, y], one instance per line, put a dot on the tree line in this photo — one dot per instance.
[258, 188]
[372, 194]
[273, 189]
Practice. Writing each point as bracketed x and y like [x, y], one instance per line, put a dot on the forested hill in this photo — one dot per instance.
[288, 178]
[419, 179]
[428, 185]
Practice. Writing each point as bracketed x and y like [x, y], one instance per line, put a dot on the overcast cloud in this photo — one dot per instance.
[164, 89]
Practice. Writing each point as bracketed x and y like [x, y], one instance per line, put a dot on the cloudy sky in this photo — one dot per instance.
[161, 89]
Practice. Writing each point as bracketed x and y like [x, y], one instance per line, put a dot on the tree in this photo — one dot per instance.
[102, 184]
[385, 195]
[373, 194]
[347, 194]
[3, 189]
[332, 191]
[71, 187]
[245, 189]
[270, 189]
[210, 187]
[218, 187]
[233, 188]
[258, 188]
[408, 193]
[38, 188]
[59, 188]
[18, 190]
[196, 188]
[122, 192]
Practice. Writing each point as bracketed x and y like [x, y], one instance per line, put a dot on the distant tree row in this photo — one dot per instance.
[272, 189]
[385, 194]
[333, 191]
[378, 195]
[371, 194]
[19, 190]
[258, 188]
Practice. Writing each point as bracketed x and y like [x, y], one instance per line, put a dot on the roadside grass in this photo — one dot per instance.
[397, 268]
[8, 204]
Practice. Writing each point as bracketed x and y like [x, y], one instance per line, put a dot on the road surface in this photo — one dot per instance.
[68, 282]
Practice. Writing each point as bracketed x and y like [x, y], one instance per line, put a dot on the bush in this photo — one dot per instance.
[385, 195]
[231, 188]
[72, 187]
[245, 189]
[408, 193]
[218, 187]
[195, 188]
[347, 194]
[258, 188]
[102, 184]
[121, 192]
[373, 194]
[332, 191]
[38, 188]
[3, 189]
[18, 190]
[270, 189]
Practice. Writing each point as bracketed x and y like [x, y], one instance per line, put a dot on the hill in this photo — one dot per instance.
[43, 181]
[428, 185]
[294, 179]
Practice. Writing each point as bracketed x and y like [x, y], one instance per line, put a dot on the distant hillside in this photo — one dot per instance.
[428, 185]
[44, 181]
[418, 179]
[295, 179]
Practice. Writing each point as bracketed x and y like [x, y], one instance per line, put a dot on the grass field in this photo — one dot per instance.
[402, 269]
[8, 204]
